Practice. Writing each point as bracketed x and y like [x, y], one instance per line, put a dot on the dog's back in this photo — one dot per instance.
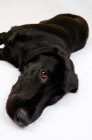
[67, 32]
[75, 26]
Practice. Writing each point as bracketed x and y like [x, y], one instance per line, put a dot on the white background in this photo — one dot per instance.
[71, 117]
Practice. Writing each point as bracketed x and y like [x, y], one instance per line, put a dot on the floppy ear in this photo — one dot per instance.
[71, 77]
[28, 56]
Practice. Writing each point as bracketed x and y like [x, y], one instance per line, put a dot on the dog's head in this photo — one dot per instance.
[45, 78]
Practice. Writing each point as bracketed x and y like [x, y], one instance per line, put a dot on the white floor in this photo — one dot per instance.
[71, 117]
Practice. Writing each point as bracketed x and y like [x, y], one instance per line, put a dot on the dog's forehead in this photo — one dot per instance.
[48, 62]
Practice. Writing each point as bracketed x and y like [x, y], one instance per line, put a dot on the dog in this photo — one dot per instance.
[42, 54]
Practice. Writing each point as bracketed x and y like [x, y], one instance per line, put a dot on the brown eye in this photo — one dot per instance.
[44, 74]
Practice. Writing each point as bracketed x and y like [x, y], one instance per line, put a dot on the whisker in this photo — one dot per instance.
[42, 120]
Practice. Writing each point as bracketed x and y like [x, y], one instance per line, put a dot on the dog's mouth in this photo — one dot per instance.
[18, 112]
[22, 118]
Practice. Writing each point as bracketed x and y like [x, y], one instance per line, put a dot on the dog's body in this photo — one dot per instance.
[41, 52]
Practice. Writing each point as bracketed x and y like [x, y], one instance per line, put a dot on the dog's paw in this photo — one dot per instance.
[74, 90]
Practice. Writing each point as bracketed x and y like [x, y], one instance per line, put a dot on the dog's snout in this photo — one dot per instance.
[21, 118]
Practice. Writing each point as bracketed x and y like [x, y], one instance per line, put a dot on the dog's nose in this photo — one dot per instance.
[21, 118]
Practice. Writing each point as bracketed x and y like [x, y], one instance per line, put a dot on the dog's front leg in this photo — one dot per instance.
[2, 38]
[1, 54]
[1, 42]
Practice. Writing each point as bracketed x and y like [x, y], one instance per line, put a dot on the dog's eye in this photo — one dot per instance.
[44, 74]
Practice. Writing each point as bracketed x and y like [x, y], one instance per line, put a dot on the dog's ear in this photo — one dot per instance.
[71, 77]
[29, 56]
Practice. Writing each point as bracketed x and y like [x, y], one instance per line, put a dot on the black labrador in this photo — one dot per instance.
[42, 54]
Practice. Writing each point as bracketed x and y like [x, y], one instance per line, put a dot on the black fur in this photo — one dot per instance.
[42, 54]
